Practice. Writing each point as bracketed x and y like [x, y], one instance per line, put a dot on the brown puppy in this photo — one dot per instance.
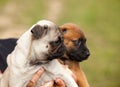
[77, 51]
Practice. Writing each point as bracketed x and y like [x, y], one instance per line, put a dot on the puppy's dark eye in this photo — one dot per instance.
[78, 42]
[45, 26]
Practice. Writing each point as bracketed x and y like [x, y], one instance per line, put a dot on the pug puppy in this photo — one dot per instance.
[38, 47]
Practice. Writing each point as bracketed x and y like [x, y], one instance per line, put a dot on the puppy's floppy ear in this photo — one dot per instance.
[38, 31]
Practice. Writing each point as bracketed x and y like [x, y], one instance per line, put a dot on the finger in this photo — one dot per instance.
[48, 84]
[35, 78]
[30, 84]
[37, 75]
[59, 83]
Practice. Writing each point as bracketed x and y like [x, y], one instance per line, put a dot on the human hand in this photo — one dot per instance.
[57, 83]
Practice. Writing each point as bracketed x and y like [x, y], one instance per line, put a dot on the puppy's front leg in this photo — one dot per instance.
[57, 70]
[77, 70]
[69, 81]
[82, 80]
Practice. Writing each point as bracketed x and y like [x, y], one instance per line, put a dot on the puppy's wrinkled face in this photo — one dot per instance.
[47, 43]
[75, 42]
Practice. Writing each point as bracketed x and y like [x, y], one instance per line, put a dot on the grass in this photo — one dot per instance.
[100, 20]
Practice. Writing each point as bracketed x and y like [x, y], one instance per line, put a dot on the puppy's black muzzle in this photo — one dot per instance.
[57, 52]
[79, 54]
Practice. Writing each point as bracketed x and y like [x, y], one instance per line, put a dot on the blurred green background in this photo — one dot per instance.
[99, 19]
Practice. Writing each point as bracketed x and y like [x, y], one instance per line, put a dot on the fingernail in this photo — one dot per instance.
[41, 70]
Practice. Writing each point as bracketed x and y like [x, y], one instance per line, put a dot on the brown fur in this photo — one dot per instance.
[72, 32]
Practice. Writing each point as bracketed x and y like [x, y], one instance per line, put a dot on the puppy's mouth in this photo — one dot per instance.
[78, 55]
[56, 52]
